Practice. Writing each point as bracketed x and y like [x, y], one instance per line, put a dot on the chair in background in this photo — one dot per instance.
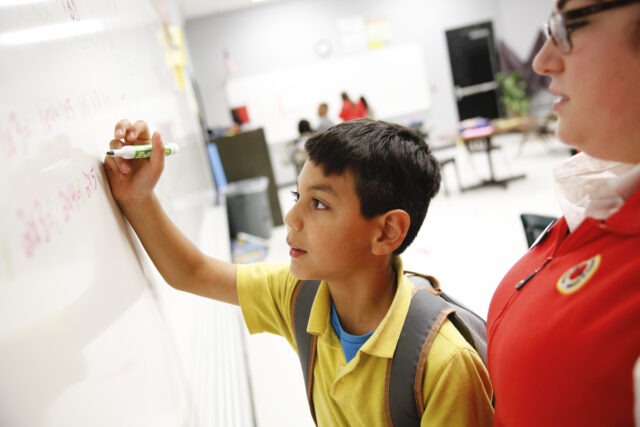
[540, 130]
[535, 224]
[442, 151]
[449, 161]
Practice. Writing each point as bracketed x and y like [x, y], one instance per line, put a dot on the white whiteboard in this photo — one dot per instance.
[392, 79]
[83, 341]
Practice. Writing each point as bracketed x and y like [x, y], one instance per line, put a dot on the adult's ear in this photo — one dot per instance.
[393, 227]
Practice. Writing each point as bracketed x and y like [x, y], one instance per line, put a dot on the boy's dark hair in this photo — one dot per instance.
[392, 166]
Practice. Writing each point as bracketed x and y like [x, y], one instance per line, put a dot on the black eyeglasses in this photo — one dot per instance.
[559, 29]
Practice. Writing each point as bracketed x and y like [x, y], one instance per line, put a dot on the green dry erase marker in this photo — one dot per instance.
[142, 151]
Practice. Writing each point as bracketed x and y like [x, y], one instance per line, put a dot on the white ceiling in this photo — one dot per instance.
[198, 8]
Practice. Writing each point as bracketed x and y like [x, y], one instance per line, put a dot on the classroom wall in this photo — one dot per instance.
[516, 16]
[283, 35]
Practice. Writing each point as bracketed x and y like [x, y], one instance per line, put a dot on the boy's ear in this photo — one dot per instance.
[393, 227]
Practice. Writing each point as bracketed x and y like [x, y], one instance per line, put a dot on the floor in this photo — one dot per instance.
[468, 241]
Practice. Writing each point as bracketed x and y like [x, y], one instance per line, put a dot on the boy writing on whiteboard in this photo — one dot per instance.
[361, 199]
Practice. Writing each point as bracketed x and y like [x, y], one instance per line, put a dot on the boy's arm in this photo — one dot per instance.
[179, 261]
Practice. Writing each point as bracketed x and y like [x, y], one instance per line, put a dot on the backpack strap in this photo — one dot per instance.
[427, 312]
[403, 383]
[301, 302]
[471, 326]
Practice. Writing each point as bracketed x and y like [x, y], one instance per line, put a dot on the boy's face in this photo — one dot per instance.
[328, 237]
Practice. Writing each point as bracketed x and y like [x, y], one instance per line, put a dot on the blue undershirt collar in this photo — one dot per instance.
[350, 343]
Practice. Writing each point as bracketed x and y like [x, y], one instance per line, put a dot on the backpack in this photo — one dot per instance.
[428, 310]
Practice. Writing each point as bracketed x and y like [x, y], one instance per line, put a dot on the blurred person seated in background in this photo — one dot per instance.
[298, 153]
[324, 122]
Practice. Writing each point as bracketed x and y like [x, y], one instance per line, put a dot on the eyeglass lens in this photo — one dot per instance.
[556, 28]
[558, 32]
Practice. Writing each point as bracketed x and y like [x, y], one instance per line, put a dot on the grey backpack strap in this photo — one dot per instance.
[471, 326]
[426, 314]
[301, 303]
[428, 310]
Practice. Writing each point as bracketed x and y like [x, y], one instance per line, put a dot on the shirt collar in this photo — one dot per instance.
[383, 341]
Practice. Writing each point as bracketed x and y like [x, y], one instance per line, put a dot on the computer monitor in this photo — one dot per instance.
[219, 177]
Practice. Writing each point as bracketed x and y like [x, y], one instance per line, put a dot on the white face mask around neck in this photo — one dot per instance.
[590, 187]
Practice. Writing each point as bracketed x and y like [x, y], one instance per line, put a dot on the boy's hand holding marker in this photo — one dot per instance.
[135, 180]
[141, 151]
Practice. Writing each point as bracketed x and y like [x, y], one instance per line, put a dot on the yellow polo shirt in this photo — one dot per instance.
[456, 387]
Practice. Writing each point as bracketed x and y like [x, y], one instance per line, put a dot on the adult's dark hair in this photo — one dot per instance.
[392, 166]
[304, 126]
[235, 116]
[364, 102]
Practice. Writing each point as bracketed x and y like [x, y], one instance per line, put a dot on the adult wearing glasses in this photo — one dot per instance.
[564, 324]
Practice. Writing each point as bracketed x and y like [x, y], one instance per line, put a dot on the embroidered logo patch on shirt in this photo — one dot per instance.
[577, 276]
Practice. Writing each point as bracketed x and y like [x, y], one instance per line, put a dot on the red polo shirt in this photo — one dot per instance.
[562, 346]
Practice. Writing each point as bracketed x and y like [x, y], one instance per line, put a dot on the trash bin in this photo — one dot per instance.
[248, 208]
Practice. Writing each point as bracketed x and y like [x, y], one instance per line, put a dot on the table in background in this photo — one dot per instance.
[480, 140]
